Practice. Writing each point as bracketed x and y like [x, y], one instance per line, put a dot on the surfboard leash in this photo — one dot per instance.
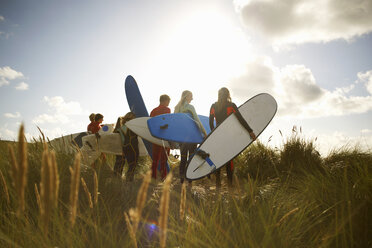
[169, 161]
[204, 155]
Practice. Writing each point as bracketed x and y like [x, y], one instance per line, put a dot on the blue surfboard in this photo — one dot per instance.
[137, 105]
[178, 127]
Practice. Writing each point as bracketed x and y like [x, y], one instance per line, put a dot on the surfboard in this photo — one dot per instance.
[139, 126]
[230, 138]
[107, 128]
[68, 143]
[137, 106]
[108, 143]
[178, 127]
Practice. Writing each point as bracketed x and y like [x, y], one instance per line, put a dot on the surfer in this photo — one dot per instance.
[130, 151]
[220, 110]
[95, 126]
[160, 153]
[91, 117]
[184, 106]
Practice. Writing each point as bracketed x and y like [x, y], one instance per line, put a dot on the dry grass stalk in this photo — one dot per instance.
[183, 201]
[287, 215]
[38, 200]
[95, 189]
[6, 192]
[74, 188]
[131, 231]
[49, 187]
[19, 170]
[163, 209]
[141, 200]
[236, 180]
[55, 176]
[46, 190]
[41, 132]
[251, 188]
[86, 190]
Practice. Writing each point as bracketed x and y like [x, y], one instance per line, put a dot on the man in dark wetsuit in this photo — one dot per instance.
[220, 110]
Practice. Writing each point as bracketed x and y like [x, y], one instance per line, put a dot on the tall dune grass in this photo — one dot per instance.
[287, 197]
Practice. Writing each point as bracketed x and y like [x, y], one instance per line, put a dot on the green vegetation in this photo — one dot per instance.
[282, 197]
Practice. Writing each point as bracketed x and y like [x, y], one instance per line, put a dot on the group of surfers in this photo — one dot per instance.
[219, 111]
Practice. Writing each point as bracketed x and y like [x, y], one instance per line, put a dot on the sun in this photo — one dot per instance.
[201, 52]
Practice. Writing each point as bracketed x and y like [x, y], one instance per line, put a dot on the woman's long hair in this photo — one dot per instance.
[223, 97]
[182, 100]
[129, 116]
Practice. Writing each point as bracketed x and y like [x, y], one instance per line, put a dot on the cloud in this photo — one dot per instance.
[340, 140]
[366, 131]
[22, 86]
[7, 134]
[366, 78]
[300, 21]
[10, 115]
[7, 73]
[296, 91]
[3, 81]
[60, 110]
[2, 18]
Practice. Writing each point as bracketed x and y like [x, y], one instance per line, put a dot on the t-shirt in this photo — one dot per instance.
[94, 127]
[161, 109]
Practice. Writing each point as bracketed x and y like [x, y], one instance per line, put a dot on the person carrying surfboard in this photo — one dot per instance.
[159, 153]
[95, 126]
[187, 149]
[129, 147]
[219, 111]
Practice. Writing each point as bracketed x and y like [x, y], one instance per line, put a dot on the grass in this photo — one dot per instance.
[282, 197]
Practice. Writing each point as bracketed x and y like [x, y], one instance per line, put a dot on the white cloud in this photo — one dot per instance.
[3, 81]
[7, 134]
[339, 140]
[10, 115]
[22, 86]
[7, 73]
[60, 106]
[60, 110]
[2, 18]
[366, 78]
[296, 91]
[300, 21]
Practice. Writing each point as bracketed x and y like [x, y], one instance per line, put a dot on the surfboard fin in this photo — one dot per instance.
[204, 155]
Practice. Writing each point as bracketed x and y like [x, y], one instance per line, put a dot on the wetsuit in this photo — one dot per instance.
[159, 153]
[220, 114]
[130, 153]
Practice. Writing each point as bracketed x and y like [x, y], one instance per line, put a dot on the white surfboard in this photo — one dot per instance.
[230, 138]
[108, 143]
[139, 126]
[68, 143]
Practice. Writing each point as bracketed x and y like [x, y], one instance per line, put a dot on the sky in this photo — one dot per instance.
[62, 60]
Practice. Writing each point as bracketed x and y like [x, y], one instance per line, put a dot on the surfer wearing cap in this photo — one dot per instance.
[187, 149]
[159, 153]
[129, 141]
[220, 110]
